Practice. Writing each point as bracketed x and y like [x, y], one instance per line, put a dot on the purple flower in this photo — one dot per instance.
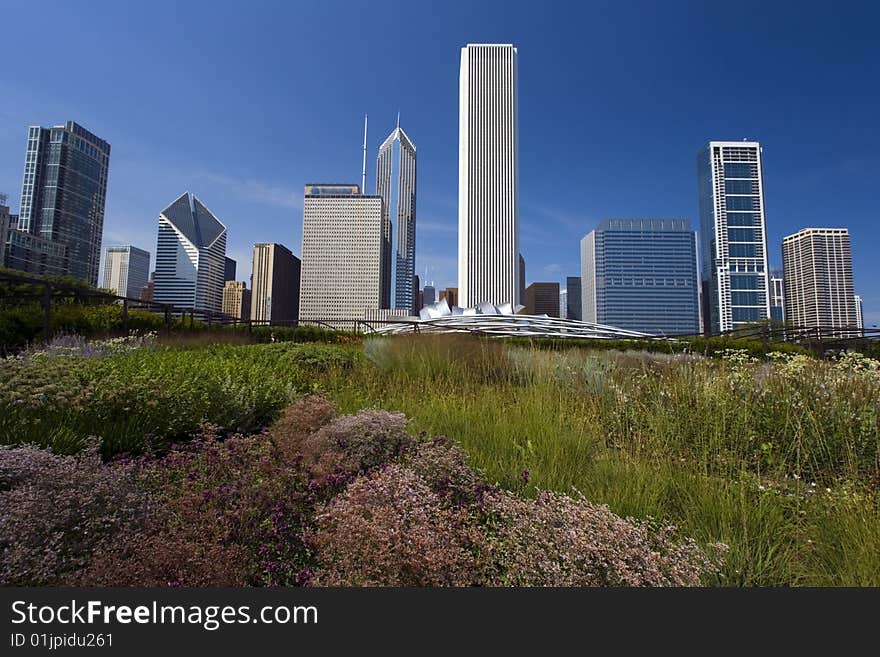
[525, 475]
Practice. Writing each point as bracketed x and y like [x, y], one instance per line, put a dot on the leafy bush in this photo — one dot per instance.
[143, 397]
[58, 513]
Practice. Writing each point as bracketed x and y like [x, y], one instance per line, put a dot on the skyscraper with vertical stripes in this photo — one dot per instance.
[488, 176]
[733, 235]
[190, 256]
[396, 184]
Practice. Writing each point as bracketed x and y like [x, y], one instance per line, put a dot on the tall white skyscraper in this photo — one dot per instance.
[190, 256]
[733, 235]
[126, 270]
[818, 279]
[860, 318]
[342, 243]
[488, 176]
[396, 184]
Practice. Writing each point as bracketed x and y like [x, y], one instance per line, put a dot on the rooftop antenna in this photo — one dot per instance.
[398, 119]
[364, 167]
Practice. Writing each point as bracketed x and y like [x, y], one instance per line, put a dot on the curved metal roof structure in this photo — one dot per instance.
[488, 319]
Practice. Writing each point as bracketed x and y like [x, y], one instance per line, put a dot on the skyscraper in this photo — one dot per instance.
[733, 235]
[126, 270]
[396, 184]
[236, 300]
[275, 286]
[573, 308]
[563, 304]
[190, 256]
[777, 296]
[63, 192]
[641, 275]
[342, 246]
[542, 299]
[229, 269]
[817, 266]
[430, 294]
[860, 317]
[4, 228]
[488, 176]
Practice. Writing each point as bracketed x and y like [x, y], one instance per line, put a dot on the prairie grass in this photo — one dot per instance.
[779, 458]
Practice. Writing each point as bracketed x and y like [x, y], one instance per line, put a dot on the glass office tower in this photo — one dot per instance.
[63, 192]
[641, 275]
[396, 184]
[733, 235]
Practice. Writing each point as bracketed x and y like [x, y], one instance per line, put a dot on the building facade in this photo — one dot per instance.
[860, 318]
[735, 280]
[777, 296]
[342, 242]
[190, 256]
[236, 300]
[35, 255]
[126, 270]
[563, 304]
[451, 296]
[542, 299]
[396, 184]
[641, 275]
[63, 192]
[275, 284]
[5, 221]
[817, 266]
[229, 269]
[573, 305]
[429, 295]
[488, 176]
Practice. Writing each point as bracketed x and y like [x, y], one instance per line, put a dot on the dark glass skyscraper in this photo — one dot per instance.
[573, 302]
[641, 275]
[396, 184]
[63, 193]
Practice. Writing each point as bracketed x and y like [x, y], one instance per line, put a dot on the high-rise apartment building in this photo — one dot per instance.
[573, 305]
[641, 275]
[488, 176]
[190, 256]
[236, 300]
[396, 184]
[126, 270]
[817, 266]
[342, 244]
[542, 299]
[733, 235]
[63, 193]
[275, 284]
[860, 317]
[777, 296]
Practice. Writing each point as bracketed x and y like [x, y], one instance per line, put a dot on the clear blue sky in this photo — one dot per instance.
[243, 102]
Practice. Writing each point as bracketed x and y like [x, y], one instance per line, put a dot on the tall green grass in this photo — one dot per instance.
[777, 459]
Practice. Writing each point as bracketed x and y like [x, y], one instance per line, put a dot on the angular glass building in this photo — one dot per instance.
[396, 184]
[733, 236]
[190, 256]
[63, 193]
[641, 275]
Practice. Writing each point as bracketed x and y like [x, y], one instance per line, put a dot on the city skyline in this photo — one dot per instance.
[259, 202]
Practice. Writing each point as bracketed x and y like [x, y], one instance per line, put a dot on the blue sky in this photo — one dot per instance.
[243, 103]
